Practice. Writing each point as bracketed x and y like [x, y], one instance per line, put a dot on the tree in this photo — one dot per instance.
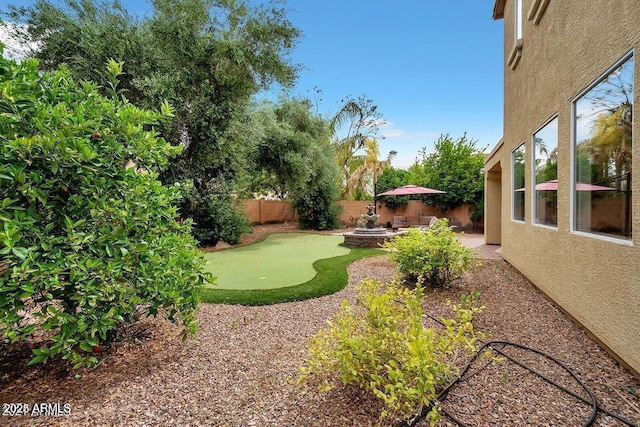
[88, 242]
[455, 167]
[365, 170]
[289, 133]
[357, 120]
[393, 178]
[316, 204]
[294, 160]
[206, 57]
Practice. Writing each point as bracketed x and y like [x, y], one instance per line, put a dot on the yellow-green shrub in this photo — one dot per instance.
[435, 256]
[383, 347]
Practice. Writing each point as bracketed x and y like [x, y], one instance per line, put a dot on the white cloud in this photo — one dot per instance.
[14, 49]
[407, 143]
[403, 161]
[390, 132]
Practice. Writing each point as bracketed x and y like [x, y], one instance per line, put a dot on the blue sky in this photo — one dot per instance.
[430, 66]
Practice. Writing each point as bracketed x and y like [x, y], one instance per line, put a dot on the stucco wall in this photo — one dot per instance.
[493, 203]
[274, 211]
[595, 281]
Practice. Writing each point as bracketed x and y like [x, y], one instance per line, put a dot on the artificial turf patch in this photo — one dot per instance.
[281, 260]
[331, 277]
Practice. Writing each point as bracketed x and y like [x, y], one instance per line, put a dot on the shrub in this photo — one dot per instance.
[435, 256]
[317, 211]
[315, 202]
[387, 350]
[87, 242]
[215, 214]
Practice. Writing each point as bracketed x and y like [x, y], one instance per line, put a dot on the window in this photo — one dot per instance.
[518, 22]
[545, 169]
[603, 154]
[517, 167]
[516, 52]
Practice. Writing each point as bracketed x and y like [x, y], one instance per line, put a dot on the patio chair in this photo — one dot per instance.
[399, 221]
[423, 222]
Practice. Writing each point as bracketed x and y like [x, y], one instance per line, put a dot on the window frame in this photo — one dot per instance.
[533, 173]
[523, 144]
[573, 158]
[518, 24]
[519, 19]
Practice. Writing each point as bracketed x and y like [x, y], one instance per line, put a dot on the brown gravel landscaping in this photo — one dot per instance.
[239, 371]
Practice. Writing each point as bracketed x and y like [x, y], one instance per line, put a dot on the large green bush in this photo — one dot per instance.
[382, 346]
[315, 202]
[89, 237]
[317, 209]
[435, 256]
[215, 213]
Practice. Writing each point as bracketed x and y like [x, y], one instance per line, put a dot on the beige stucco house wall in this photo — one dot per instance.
[565, 46]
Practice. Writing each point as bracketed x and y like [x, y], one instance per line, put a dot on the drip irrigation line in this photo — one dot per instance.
[454, 418]
[577, 396]
[591, 401]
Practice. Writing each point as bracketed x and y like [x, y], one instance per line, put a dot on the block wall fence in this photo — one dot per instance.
[261, 211]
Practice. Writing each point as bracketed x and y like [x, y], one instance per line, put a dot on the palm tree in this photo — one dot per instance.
[610, 144]
[365, 169]
[356, 121]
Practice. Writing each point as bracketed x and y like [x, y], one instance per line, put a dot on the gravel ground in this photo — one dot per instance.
[239, 371]
[499, 392]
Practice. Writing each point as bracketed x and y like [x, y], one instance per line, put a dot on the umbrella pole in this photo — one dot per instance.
[375, 202]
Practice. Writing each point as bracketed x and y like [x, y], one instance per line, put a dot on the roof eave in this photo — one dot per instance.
[498, 9]
[493, 152]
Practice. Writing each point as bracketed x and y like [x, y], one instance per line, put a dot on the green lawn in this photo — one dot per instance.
[281, 260]
[283, 267]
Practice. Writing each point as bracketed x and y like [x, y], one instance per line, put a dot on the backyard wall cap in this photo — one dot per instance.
[498, 9]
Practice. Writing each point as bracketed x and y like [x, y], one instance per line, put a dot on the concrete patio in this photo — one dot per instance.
[476, 242]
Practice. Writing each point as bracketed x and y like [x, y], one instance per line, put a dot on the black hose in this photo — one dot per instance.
[592, 401]
[577, 396]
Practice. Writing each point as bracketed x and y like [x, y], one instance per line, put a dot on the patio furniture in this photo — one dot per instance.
[422, 221]
[428, 222]
[399, 221]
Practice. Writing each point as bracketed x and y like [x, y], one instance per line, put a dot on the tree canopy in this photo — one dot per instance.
[455, 166]
[289, 133]
[206, 57]
[294, 159]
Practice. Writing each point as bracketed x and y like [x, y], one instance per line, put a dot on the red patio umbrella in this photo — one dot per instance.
[407, 190]
[580, 186]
